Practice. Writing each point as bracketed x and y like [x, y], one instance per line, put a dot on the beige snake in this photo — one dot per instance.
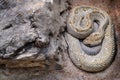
[83, 40]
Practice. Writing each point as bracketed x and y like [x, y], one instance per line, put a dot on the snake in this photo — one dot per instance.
[90, 38]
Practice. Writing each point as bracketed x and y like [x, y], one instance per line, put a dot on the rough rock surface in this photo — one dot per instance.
[32, 44]
[29, 32]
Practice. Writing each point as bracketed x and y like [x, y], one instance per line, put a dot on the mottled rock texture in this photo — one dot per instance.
[29, 31]
[32, 44]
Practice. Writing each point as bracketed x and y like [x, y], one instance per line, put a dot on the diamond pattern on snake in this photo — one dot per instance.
[90, 37]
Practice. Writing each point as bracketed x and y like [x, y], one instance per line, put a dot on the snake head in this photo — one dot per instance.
[94, 39]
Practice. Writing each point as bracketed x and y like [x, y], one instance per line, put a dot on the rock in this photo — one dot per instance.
[28, 30]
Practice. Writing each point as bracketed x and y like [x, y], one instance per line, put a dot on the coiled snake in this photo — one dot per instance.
[90, 38]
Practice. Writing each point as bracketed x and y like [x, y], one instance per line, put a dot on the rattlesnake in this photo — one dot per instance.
[90, 49]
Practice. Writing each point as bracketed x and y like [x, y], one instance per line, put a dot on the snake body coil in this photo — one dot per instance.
[91, 48]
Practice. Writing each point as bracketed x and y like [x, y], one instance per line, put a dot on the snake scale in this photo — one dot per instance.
[90, 38]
